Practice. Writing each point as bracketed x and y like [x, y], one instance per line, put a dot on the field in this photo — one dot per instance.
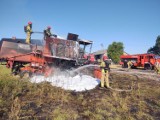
[22, 100]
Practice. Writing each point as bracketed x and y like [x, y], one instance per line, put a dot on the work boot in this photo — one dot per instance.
[101, 87]
[106, 86]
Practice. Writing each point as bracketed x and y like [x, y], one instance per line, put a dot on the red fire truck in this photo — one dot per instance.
[146, 61]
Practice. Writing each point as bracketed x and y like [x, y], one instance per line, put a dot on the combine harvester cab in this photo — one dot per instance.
[36, 58]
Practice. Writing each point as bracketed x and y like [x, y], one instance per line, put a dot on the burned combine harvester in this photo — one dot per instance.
[41, 57]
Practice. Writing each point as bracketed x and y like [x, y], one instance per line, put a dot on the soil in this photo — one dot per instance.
[142, 102]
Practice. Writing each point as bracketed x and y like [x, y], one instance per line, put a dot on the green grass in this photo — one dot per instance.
[20, 99]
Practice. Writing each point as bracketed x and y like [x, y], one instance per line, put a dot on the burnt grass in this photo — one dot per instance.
[22, 100]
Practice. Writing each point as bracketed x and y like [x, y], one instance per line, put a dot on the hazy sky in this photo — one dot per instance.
[136, 23]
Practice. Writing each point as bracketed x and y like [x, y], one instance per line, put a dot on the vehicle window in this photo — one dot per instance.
[150, 57]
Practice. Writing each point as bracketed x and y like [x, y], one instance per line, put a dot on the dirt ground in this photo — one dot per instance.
[43, 101]
[139, 73]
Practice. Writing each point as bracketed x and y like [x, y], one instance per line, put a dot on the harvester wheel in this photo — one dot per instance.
[25, 74]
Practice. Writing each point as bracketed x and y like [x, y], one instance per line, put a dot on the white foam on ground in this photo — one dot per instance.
[77, 83]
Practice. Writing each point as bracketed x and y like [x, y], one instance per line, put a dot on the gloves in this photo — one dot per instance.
[54, 35]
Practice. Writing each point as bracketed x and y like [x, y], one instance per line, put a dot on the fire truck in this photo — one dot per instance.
[146, 61]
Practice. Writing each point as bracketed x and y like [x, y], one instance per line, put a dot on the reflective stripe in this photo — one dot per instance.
[103, 71]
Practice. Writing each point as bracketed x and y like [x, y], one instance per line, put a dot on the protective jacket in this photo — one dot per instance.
[104, 66]
[47, 33]
[29, 32]
[29, 29]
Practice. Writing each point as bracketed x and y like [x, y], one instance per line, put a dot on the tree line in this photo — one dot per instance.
[156, 48]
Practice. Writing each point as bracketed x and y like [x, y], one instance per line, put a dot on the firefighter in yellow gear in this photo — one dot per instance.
[129, 63]
[29, 32]
[158, 71]
[104, 65]
[157, 67]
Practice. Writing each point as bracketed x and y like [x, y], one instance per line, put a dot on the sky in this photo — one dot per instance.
[135, 23]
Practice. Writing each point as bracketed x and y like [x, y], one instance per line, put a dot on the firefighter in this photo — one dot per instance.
[104, 65]
[157, 67]
[158, 70]
[47, 32]
[129, 63]
[28, 30]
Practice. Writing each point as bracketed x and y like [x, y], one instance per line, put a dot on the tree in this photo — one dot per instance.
[115, 50]
[156, 48]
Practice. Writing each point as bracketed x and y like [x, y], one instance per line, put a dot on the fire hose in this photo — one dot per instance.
[44, 33]
[80, 68]
[38, 32]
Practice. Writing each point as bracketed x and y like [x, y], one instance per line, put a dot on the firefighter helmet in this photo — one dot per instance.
[49, 27]
[29, 22]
